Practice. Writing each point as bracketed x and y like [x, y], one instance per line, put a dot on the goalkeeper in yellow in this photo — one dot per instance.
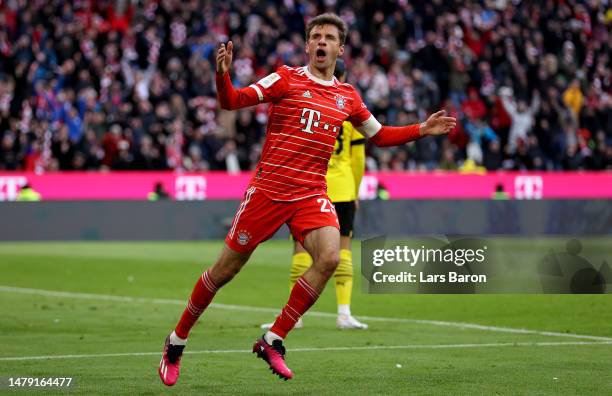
[344, 174]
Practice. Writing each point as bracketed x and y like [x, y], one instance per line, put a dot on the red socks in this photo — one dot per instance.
[203, 293]
[302, 297]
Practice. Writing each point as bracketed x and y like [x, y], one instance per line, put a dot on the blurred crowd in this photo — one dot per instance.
[129, 85]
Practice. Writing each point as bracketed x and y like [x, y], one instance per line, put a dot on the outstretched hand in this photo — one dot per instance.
[438, 124]
[224, 57]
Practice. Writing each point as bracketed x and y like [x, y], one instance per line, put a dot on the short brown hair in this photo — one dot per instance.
[328, 19]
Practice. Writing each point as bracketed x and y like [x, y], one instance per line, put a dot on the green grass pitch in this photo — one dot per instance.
[423, 351]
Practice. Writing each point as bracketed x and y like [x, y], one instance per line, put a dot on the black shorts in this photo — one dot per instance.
[346, 216]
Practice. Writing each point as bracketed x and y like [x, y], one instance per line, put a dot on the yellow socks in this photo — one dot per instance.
[300, 262]
[344, 280]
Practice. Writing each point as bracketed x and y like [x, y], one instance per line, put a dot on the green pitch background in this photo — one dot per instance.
[432, 358]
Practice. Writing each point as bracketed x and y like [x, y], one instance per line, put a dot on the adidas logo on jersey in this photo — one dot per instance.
[307, 94]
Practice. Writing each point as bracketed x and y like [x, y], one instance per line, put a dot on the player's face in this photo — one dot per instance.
[323, 46]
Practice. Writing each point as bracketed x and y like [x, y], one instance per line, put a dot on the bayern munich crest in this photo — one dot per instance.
[243, 237]
[340, 102]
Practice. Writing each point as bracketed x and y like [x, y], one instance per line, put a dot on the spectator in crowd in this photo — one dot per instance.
[523, 118]
[500, 194]
[493, 157]
[28, 194]
[479, 133]
[448, 162]
[158, 193]
[116, 84]
[573, 98]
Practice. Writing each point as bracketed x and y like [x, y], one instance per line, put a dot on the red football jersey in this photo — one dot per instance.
[305, 117]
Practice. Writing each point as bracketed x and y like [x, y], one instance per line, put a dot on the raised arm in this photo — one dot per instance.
[509, 105]
[269, 89]
[535, 103]
[383, 136]
[229, 97]
[436, 124]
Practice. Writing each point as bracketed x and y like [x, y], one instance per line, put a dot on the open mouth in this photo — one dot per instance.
[320, 55]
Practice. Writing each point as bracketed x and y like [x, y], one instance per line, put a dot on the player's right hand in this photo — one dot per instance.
[224, 57]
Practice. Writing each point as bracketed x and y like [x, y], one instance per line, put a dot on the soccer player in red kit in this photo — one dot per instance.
[308, 106]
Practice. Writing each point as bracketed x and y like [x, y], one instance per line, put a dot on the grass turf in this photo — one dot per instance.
[37, 325]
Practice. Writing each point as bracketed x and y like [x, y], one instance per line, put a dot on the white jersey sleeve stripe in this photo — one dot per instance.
[259, 93]
[370, 127]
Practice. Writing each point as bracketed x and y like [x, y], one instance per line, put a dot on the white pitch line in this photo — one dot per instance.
[246, 308]
[321, 349]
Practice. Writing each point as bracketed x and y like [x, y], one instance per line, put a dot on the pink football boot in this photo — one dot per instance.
[274, 355]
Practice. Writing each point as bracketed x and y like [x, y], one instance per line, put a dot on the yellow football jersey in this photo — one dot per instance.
[346, 165]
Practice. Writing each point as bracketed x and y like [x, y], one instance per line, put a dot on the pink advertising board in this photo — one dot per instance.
[519, 185]
[220, 185]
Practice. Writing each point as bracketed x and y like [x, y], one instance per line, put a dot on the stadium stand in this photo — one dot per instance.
[128, 85]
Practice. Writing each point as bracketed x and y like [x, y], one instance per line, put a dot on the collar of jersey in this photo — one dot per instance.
[317, 79]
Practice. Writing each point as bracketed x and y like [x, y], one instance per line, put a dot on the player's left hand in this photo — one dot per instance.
[438, 124]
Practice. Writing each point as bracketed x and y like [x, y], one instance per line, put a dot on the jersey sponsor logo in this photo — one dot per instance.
[340, 101]
[243, 237]
[310, 118]
[270, 79]
[307, 94]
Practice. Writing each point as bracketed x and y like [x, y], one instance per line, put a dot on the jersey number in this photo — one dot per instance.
[326, 206]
